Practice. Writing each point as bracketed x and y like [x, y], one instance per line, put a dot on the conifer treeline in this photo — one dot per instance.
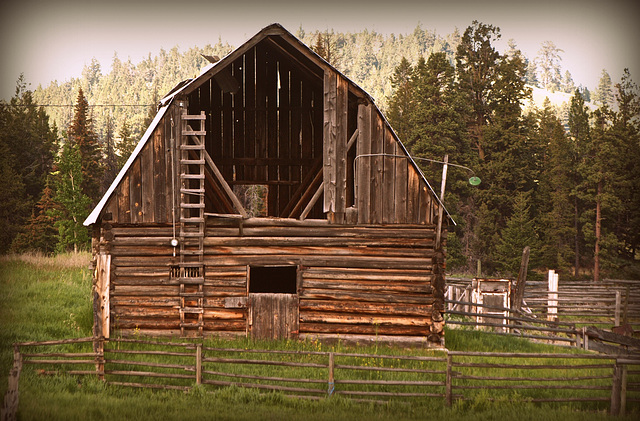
[570, 195]
[565, 187]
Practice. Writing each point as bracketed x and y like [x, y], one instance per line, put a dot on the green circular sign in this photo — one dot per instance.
[474, 181]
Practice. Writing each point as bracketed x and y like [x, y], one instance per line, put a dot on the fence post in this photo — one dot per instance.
[198, 364]
[449, 381]
[617, 313]
[331, 378]
[10, 404]
[98, 349]
[617, 386]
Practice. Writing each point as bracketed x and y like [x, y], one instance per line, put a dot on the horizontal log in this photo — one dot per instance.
[326, 294]
[367, 329]
[263, 386]
[265, 378]
[392, 382]
[262, 362]
[366, 339]
[385, 308]
[144, 301]
[365, 285]
[122, 243]
[321, 259]
[327, 317]
[150, 386]
[149, 374]
[344, 250]
[369, 275]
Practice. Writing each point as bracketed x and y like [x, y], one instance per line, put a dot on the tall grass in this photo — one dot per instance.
[44, 298]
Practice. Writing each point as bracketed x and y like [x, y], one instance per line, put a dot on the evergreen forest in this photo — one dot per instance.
[561, 178]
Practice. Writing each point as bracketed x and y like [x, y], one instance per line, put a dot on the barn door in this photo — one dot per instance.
[273, 315]
[273, 302]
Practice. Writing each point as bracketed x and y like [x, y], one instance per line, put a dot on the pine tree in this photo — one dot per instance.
[402, 101]
[126, 143]
[568, 85]
[556, 208]
[548, 62]
[579, 132]
[110, 157]
[603, 94]
[40, 233]
[518, 233]
[83, 138]
[476, 60]
[72, 203]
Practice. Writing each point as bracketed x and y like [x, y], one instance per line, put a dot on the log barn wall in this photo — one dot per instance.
[350, 280]
[346, 210]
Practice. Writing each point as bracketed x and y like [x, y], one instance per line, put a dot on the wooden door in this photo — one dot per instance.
[273, 316]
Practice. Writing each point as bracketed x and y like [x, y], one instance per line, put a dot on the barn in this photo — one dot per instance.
[270, 198]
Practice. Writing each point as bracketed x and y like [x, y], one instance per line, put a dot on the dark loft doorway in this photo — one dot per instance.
[272, 279]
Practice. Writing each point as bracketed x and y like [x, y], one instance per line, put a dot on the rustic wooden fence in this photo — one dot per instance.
[599, 380]
[578, 308]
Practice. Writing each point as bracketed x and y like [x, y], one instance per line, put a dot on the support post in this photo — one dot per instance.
[441, 208]
[616, 390]
[518, 297]
[198, 364]
[617, 313]
[449, 381]
[331, 385]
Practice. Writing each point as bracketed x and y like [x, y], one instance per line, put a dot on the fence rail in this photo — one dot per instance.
[562, 377]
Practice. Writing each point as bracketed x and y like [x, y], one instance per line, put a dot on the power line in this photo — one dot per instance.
[90, 106]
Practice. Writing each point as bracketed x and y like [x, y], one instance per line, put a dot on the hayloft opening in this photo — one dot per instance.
[272, 279]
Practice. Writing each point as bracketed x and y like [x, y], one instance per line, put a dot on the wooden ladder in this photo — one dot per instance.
[192, 224]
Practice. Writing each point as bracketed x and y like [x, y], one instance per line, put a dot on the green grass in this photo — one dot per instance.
[49, 298]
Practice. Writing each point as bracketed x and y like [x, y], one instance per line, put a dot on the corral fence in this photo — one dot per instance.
[575, 315]
[589, 381]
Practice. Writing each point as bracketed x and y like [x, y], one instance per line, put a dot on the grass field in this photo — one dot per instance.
[49, 298]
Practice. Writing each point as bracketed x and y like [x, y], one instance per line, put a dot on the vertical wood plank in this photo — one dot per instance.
[389, 175]
[295, 121]
[377, 136]
[330, 139]
[250, 111]
[124, 205]
[342, 137]
[284, 142]
[228, 149]
[306, 129]
[363, 167]
[412, 195]
[216, 122]
[147, 176]
[160, 175]
[135, 198]
[272, 128]
[401, 188]
[261, 113]
[238, 118]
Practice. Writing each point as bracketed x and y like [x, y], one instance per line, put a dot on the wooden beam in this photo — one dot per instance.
[312, 202]
[221, 180]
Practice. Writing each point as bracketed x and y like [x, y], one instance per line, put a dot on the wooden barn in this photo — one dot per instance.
[270, 198]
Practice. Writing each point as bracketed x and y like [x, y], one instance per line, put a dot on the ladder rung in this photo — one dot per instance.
[199, 192]
[192, 161]
[192, 205]
[190, 235]
[194, 117]
[190, 147]
[194, 132]
[192, 310]
[192, 220]
[189, 325]
[191, 294]
[192, 176]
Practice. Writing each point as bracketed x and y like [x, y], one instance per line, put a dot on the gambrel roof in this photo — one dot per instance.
[318, 73]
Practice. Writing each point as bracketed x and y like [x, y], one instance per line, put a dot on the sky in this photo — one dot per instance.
[49, 40]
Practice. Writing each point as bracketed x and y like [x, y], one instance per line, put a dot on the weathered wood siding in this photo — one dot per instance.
[144, 193]
[355, 280]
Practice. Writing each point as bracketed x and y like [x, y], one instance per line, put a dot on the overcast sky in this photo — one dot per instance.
[53, 39]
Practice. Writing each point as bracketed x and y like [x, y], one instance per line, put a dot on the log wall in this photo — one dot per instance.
[351, 280]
